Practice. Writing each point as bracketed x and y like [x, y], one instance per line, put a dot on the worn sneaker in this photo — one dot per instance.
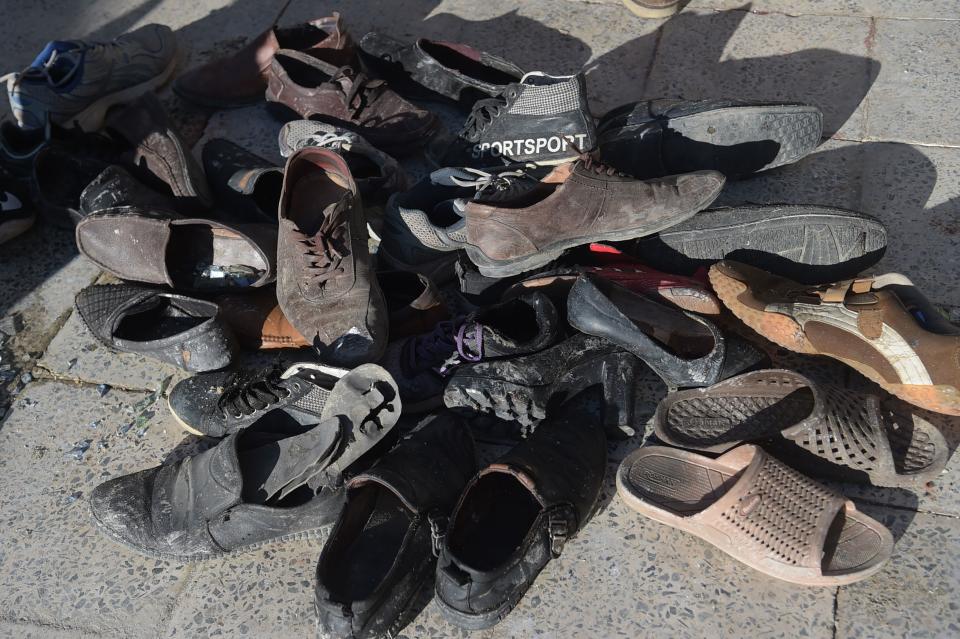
[75, 82]
[422, 364]
[16, 214]
[377, 174]
[542, 119]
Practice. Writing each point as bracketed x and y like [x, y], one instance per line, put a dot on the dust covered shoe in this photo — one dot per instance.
[180, 330]
[578, 204]
[422, 364]
[435, 69]
[664, 137]
[541, 119]
[380, 555]
[515, 516]
[525, 389]
[115, 189]
[75, 82]
[279, 479]
[325, 284]
[881, 326]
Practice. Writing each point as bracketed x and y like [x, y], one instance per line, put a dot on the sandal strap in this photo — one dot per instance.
[772, 511]
[837, 293]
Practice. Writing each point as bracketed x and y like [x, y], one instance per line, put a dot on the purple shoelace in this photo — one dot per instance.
[446, 346]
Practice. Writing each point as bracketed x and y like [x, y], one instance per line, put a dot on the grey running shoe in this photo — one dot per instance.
[376, 173]
[75, 82]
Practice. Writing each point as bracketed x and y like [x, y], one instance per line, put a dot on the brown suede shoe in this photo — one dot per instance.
[325, 285]
[315, 89]
[578, 204]
[881, 326]
[160, 151]
[185, 254]
[240, 79]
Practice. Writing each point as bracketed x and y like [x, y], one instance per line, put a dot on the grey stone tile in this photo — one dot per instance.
[76, 354]
[55, 569]
[36, 631]
[914, 97]
[929, 9]
[812, 59]
[915, 595]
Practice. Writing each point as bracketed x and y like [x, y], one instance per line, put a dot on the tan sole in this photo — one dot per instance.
[648, 12]
[787, 333]
[91, 119]
[181, 423]
[11, 230]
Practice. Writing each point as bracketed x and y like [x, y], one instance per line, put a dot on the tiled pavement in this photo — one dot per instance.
[884, 72]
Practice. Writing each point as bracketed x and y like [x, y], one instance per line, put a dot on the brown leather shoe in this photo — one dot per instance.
[160, 151]
[325, 284]
[241, 79]
[578, 204]
[881, 326]
[315, 89]
[413, 302]
[186, 254]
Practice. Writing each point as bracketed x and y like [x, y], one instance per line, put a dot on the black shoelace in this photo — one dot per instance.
[245, 394]
[484, 112]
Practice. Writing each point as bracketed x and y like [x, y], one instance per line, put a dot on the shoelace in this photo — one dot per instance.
[589, 162]
[360, 86]
[484, 179]
[446, 346]
[326, 141]
[245, 394]
[325, 250]
[484, 112]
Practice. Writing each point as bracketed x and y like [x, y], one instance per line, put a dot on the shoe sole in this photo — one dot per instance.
[786, 240]
[786, 332]
[650, 12]
[15, 228]
[181, 423]
[715, 139]
[91, 119]
[507, 268]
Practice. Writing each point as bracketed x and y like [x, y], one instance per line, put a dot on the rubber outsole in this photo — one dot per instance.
[651, 12]
[181, 423]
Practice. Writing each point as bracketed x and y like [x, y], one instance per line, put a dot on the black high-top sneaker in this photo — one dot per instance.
[542, 119]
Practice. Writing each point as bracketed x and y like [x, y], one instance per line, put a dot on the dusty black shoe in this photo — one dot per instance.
[220, 403]
[115, 188]
[164, 325]
[431, 69]
[666, 137]
[380, 555]
[516, 515]
[279, 479]
[542, 119]
[16, 211]
[525, 389]
[422, 364]
[245, 186]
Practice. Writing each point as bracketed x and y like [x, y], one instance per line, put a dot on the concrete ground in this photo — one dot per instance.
[883, 71]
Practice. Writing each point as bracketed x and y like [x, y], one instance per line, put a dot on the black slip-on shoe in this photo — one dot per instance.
[516, 514]
[683, 349]
[381, 554]
[279, 479]
[173, 328]
[245, 186]
[664, 137]
[116, 190]
[524, 389]
[809, 244]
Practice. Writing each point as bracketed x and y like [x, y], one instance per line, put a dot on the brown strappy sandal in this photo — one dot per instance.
[759, 511]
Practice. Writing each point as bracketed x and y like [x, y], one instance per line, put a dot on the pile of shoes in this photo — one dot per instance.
[548, 263]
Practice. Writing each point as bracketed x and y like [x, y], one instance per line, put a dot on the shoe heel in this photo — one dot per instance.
[618, 376]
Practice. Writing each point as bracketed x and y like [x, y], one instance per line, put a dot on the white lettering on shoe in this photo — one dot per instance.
[529, 146]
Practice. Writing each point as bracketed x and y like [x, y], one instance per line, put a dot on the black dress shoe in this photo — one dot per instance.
[164, 325]
[524, 389]
[685, 350]
[280, 479]
[516, 514]
[666, 137]
[246, 187]
[430, 68]
[380, 555]
[115, 188]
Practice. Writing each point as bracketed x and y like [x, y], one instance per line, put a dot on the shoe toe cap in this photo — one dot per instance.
[121, 507]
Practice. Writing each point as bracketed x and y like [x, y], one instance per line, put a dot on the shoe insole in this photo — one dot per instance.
[685, 488]
[162, 320]
[493, 521]
[199, 256]
[453, 59]
[267, 191]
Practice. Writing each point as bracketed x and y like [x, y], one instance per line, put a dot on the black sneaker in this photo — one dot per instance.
[666, 137]
[16, 212]
[422, 364]
[279, 479]
[380, 555]
[524, 389]
[220, 403]
[542, 119]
